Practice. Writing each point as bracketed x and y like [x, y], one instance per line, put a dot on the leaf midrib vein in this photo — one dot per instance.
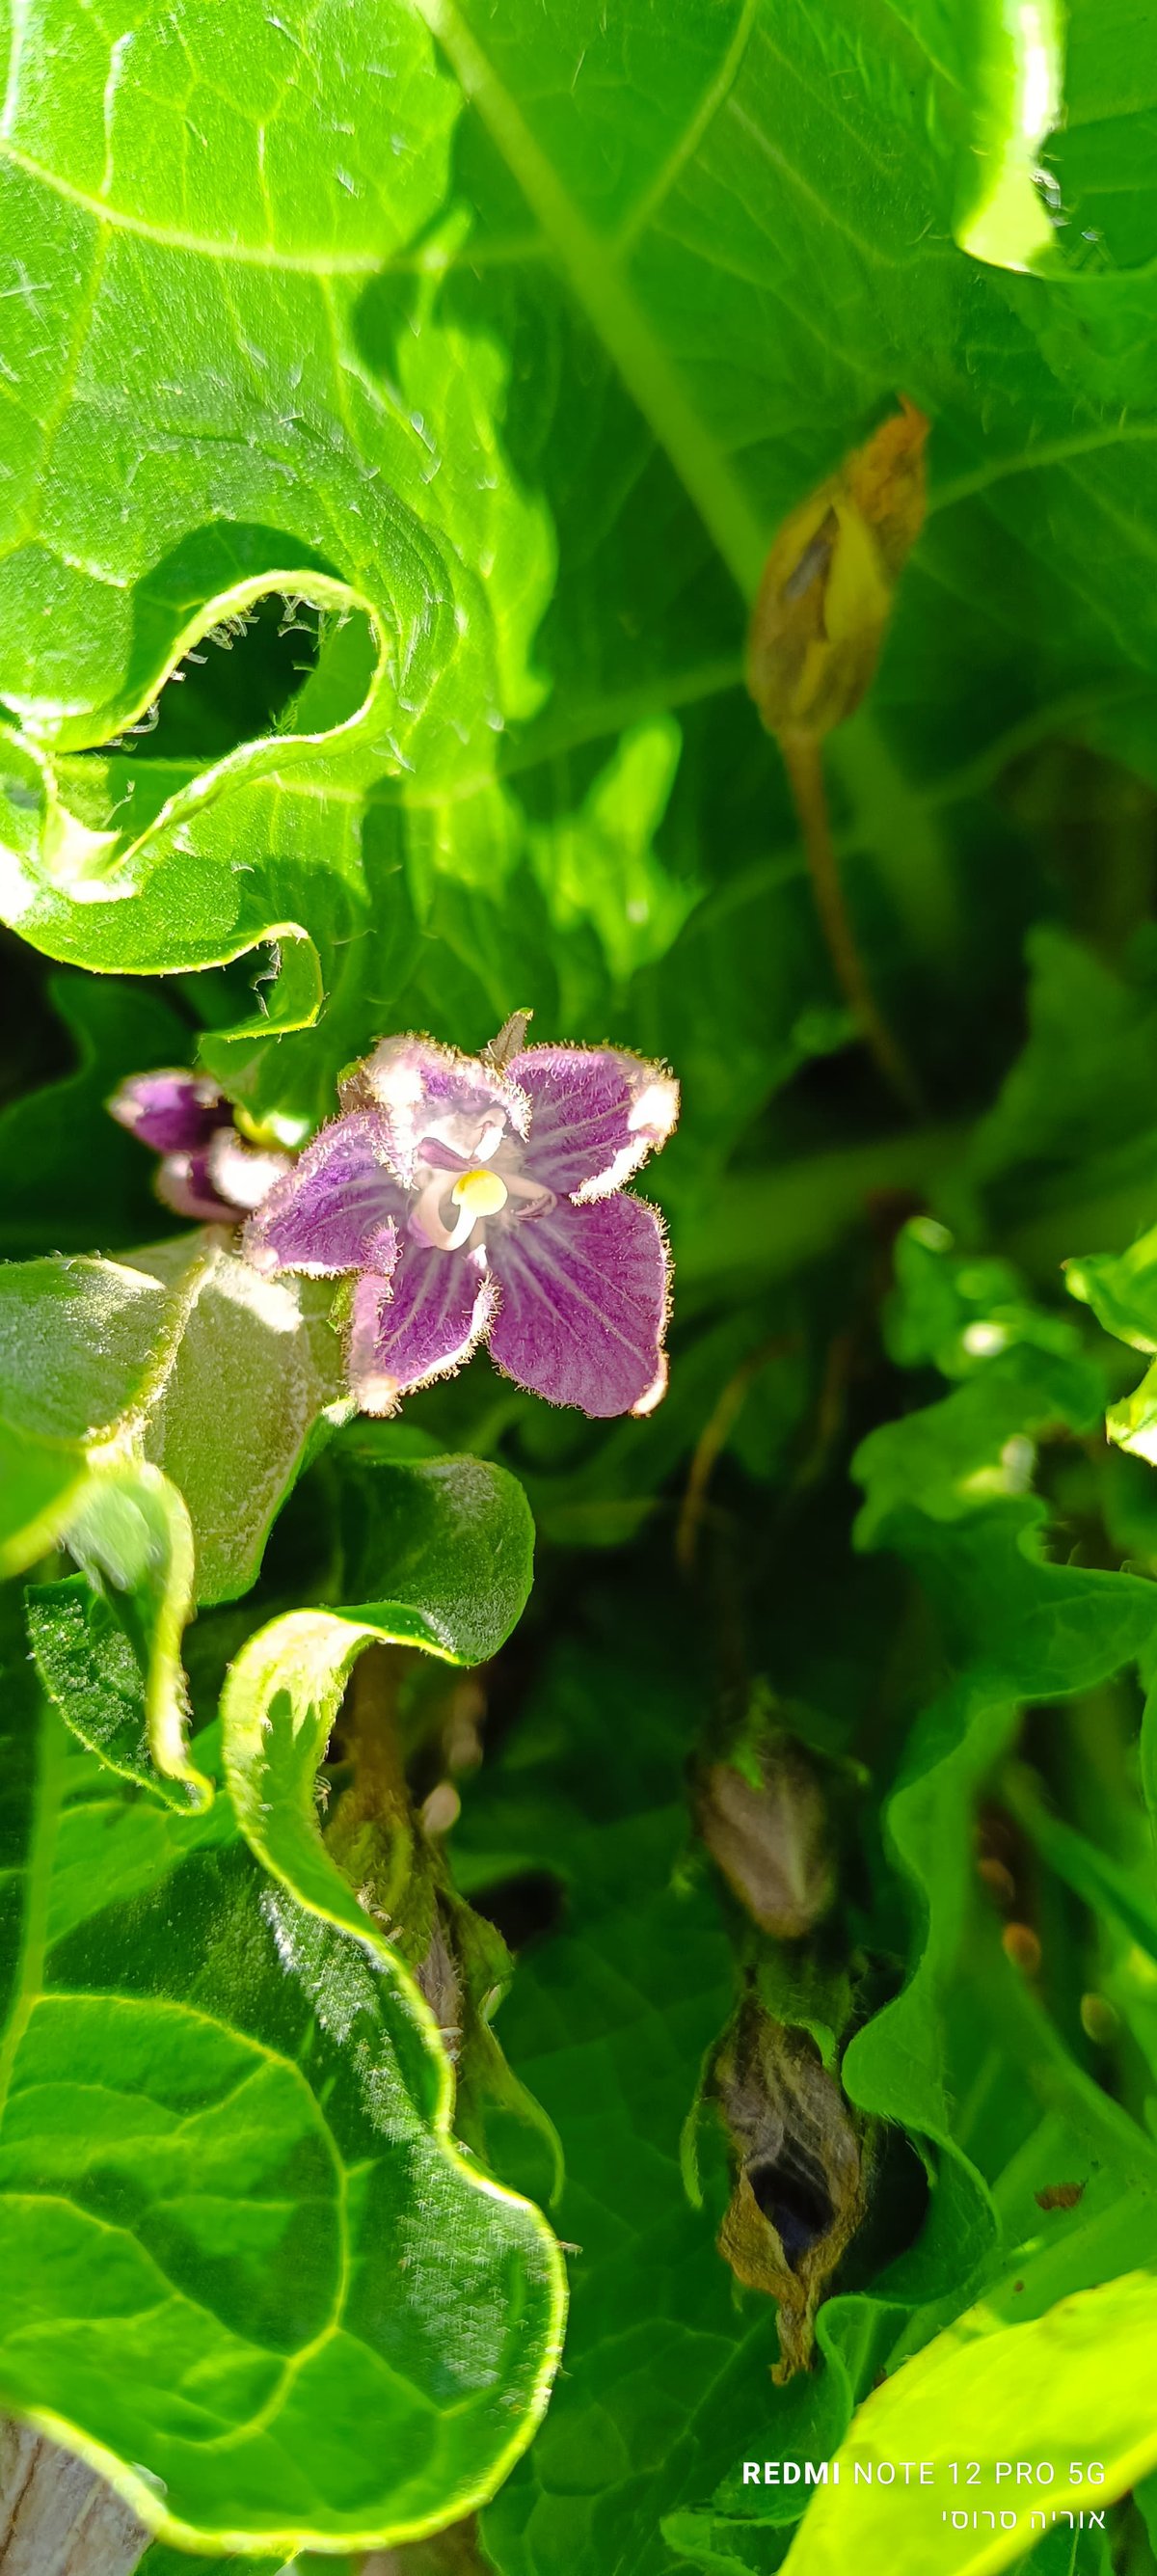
[610, 305]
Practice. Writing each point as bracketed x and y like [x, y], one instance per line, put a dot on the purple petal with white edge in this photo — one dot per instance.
[174, 1112]
[419, 1324]
[183, 1183]
[595, 1115]
[426, 1094]
[339, 1208]
[583, 1304]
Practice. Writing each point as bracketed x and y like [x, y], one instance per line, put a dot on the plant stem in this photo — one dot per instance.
[803, 761]
[712, 1439]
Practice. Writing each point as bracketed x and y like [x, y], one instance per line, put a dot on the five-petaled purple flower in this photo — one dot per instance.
[207, 1170]
[479, 1197]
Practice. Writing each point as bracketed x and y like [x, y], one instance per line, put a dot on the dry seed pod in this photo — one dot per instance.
[799, 2184]
[829, 580]
[771, 1841]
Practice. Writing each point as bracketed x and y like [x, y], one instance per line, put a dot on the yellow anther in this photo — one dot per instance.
[480, 1193]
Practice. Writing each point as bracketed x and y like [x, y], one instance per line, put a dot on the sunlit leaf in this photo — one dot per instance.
[225, 2133]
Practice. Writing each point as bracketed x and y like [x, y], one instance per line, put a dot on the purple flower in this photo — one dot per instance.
[479, 1199]
[207, 1170]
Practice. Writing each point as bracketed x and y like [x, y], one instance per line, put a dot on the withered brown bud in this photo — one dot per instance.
[771, 1841]
[828, 584]
[798, 2165]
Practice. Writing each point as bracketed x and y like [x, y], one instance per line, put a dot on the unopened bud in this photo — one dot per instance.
[829, 581]
[770, 1838]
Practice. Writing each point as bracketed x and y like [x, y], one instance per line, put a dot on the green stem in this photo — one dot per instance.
[803, 760]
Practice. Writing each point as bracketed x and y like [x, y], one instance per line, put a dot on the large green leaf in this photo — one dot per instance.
[1069, 2388]
[247, 2275]
[639, 289]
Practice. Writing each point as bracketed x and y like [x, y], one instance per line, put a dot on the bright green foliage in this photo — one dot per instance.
[455, 1539]
[390, 403]
[192, 2132]
[109, 1647]
[1071, 2384]
[84, 1346]
[255, 1381]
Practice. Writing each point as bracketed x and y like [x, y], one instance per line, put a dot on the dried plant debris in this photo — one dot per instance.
[1060, 2195]
[799, 2170]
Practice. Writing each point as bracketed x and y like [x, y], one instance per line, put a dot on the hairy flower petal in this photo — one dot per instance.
[418, 1324]
[584, 1302]
[339, 1208]
[595, 1114]
[174, 1112]
[430, 1095]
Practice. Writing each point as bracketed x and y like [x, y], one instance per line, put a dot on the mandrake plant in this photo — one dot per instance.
[578, 1283]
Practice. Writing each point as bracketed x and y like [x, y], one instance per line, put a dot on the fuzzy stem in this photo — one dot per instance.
[803, 761]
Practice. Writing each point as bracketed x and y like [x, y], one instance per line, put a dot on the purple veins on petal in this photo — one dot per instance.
[338, 1208]
[595, 1114]
[174, 1112]
[429, 1095]
[477, 1199]
[584, 1295]
[418, 1324]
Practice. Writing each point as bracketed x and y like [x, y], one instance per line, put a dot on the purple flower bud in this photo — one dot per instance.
[175, 1113]
[483, 1202]
[207, 1170]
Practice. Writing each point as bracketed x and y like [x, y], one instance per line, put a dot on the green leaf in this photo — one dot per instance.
[947, 1487]
[1122, 1292]
[1069, 2387]
[452, 1539]
[631, 335]
[1094, 1875]
[84, 1346]
[225, 2147]
[256, 1383]
[109, 1648]
[132, 1536]
[1017, 99]
[1067, 1147]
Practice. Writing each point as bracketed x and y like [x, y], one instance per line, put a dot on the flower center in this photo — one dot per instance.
[475, 1194]
[480, 1192]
